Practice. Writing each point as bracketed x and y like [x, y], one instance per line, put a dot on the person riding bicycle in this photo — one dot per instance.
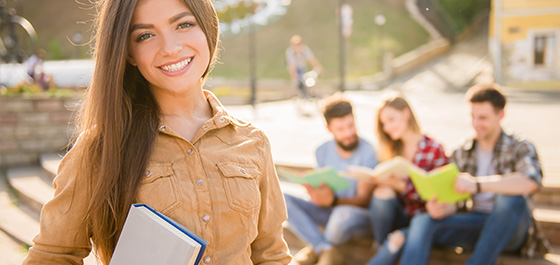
[297, 57]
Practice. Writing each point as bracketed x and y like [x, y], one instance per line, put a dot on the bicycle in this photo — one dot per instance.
[10, 45]
[307, 99]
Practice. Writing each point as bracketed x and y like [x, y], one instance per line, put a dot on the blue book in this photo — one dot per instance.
[149, 237]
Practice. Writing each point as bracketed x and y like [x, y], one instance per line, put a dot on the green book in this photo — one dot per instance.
[440, 182]
[328, 175]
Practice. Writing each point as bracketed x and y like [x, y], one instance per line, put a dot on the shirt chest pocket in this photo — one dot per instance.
[241, 186]
[159, 188]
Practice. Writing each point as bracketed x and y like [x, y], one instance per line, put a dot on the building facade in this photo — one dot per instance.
[524, 42]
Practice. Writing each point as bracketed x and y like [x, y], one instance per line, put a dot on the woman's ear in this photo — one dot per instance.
[406, 113]
[131, 60]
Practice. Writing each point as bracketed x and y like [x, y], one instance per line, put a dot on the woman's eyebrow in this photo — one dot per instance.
[171, 21]
[141, 26]
[179, 16]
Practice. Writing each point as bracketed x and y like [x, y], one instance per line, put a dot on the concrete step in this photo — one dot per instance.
[549, 219]
[20, 224]
[359, 251]
[50, 162]
[11, 252]
[444, 257]
[548, 195]
[15, 222]
[32, 185]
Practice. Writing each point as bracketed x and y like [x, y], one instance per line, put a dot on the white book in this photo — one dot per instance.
[149, 237]
[397, 166]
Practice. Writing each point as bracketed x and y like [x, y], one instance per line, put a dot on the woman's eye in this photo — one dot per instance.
[144, 36]
[185, 25]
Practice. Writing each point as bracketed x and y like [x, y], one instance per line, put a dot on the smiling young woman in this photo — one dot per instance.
[149, 133]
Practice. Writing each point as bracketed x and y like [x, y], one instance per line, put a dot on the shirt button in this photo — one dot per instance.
[163, 127]
[205, 127]
[207, 259]
[243, 171]
[190, 151]
[206, 218]
[148, 173]
[199, 182]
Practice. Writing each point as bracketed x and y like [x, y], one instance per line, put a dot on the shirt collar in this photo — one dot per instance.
[500, 145]
[220, 117]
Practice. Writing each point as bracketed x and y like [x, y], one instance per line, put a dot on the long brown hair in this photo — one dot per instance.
[119, 120]
[389, 148]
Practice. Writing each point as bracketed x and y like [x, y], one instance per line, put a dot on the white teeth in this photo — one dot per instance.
[176, 67]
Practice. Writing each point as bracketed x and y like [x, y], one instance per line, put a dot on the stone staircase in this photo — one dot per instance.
[24, 190]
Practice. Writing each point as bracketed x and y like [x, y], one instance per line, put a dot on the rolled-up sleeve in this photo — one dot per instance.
[63, 237]
[269, 246]
[527, 161]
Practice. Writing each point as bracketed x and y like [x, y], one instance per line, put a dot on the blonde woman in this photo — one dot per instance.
[395, 201]
[150, 134]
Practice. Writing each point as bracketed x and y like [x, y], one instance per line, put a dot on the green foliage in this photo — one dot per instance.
[239, 11]
[55, 51]
[32, 90]
[461, 13]
[23, 88]
[316, 22]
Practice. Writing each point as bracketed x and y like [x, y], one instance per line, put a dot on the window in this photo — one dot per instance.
[544, 50]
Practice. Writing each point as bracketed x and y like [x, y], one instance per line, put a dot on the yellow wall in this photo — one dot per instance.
[525, 23]
[522, 4]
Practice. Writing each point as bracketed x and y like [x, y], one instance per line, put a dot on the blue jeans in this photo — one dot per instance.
[504, 229]
[386, 215]
[340, 223]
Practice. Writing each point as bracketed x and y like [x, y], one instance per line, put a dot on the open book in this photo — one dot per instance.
[439, 181]
[397, 166]
[328, 175]
[149, 237]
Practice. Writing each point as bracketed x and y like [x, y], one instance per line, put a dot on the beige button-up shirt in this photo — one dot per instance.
[222, 186]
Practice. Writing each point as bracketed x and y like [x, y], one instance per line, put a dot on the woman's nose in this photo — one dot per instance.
[170, 45]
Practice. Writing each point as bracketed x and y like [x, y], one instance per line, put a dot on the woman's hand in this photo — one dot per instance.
[439, 210]
[392, 181]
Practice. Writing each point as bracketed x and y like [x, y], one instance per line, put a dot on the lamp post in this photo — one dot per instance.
[380, 20]
[344, 31]
[253, 54]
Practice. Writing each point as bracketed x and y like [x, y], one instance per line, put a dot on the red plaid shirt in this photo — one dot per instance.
[429, 155]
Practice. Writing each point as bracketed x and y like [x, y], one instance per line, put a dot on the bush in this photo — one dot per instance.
[25, 89]
[462, 13]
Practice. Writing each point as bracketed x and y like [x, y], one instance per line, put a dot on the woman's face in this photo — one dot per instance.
[167, 45]
[395, 122]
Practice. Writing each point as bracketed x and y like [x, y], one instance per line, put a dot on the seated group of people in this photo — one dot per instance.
[497, 168]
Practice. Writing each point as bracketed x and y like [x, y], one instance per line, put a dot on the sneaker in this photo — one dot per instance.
[331, 257]
[306, 256]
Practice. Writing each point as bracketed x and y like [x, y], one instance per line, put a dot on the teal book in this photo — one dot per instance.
[149, 237]
[328, 175]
